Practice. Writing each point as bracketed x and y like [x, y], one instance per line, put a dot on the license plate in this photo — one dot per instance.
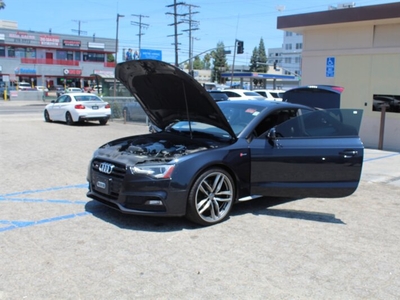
[102, 184]
[95, 107]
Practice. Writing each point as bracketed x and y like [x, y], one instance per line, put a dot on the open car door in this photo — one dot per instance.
[317, 154]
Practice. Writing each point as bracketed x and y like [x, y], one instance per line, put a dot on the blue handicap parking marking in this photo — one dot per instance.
[6, 225]
[330, 66]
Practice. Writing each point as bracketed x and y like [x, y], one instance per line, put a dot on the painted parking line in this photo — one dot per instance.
[10, 225]
[381, 157]
[7, 225]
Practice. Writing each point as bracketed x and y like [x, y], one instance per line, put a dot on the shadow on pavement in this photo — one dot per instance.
[262, 206]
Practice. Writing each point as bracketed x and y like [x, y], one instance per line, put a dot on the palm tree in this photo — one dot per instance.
[2, 5]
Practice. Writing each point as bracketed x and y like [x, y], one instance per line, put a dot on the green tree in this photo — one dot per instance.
[220, 63]
[110, 58]
[258, 62]
[2, 5]
[197, 63]
[207, 61]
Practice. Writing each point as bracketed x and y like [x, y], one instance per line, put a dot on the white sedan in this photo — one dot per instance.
[78, 107]
[241, 94]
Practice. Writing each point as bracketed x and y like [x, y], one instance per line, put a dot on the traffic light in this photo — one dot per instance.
[240, 48]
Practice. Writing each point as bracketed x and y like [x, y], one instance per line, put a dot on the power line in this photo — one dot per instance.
[175, 24]
[141, 25]
[79, 31]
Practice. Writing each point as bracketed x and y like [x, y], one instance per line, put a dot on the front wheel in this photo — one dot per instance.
[211, 197]
[47, 116]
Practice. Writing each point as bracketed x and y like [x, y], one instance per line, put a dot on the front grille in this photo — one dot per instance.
[113, 180]
[118, 171]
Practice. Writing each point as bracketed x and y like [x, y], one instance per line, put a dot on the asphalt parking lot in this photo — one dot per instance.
[58, 244]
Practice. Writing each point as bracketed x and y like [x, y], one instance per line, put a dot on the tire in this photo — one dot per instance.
[68, 118]
[211, 197]
[103, 121]
[47, 116]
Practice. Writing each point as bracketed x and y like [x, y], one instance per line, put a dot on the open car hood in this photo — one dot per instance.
[167, 94]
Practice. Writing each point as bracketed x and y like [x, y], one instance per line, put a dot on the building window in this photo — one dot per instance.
[77, 55]
[11, 51]
[297, 60]
[288, 46]
[2, 51]
[30, 53]
[61, 55]
[299, 45]
[288, 60]
[288, 33]
[92, 56]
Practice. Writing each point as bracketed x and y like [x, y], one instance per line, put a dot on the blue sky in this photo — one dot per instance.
[219, 21]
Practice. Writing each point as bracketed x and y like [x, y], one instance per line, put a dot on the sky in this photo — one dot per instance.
[217, 21]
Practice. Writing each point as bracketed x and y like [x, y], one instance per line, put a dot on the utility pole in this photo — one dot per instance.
[79, 31]
[141, 25]
[175, 24]
[193, 25]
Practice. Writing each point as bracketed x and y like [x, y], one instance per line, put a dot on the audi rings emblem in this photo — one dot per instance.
[106, 168]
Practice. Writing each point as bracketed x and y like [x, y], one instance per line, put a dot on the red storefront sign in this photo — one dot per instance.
[72, 72]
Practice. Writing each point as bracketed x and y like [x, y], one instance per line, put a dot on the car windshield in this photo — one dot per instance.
[200, 130]
[277, 94]
[88, 98]
[239, 115]
[251, 94]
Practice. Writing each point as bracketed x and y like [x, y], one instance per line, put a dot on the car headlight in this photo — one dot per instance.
[156, 171]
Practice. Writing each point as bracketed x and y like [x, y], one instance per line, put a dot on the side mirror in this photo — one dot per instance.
[271, 134]
[53, 101]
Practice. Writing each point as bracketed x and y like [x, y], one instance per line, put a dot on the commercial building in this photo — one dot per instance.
[357, 48]
[50, 59]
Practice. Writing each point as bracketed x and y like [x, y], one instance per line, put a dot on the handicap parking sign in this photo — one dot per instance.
[330, 67]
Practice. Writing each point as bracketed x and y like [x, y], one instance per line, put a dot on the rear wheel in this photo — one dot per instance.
[68, 118]
[211, 197]
[47, 116]
[103, 121]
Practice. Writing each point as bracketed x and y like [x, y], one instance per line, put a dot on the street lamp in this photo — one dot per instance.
[116, 51]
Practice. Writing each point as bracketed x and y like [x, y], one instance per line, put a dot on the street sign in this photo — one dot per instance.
[150, 54]
[330, 67]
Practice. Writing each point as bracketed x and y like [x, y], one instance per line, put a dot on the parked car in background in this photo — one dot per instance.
[78, 107]
[42, 88]
[69, 90]
[218, 95]
[205, 156]
[241, 94]
[275, 95]
[24, 86]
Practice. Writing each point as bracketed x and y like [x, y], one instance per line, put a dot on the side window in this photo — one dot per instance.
[322, 123]
[274, 119]
[61, 99]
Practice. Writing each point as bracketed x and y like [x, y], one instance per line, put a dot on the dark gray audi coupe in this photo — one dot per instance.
[208, 155]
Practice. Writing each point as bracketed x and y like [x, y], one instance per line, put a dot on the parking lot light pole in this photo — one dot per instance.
[116, 52]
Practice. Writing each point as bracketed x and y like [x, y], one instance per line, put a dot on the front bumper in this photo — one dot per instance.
[135, 195]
